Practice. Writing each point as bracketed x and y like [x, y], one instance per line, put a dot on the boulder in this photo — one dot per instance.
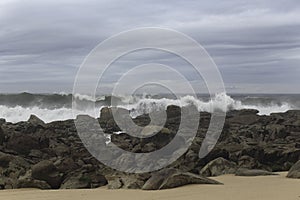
[2, 121]
[243, 117]
[31, 183]
[81, 179]
[27, 181]
[46, 171]
[294, 171]
[22, 143]
[253, 172]
[66, 165]
[6, 183]
[34, 120]
[124, 182]
[114, 183]
[5, 159]
[171, 178]
[12, 166]
[218, 167]
[247, 162]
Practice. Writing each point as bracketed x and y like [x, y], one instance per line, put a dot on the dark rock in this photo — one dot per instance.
[294, 171]
[5, 159]
[180, 179]
[6, 183]
[82, 180]
[125, 182]
[218, 167]
[243, 117]
[171, 178]
[31, 183]
[114, 183]
[27, 181]
[251, 141]
[35, 154]
[2, 136]
[253, 172]
[248, 162]
[34, 120]
[66, 165]
[46, 171]
[12, 166]
[2, 121]
[61, 150]
[22, 143]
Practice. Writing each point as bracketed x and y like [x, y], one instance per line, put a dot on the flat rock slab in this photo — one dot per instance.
[171, 178]
[253, 172]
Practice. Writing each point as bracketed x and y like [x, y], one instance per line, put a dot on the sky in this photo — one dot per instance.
[254, 43]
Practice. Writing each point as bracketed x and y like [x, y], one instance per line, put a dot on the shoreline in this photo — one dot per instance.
[246, 188]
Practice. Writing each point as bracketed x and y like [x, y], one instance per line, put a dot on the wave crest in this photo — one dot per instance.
[139, 106]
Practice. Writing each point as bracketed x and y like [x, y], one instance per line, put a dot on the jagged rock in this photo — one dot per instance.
[27, 181]
[114, 183]
[80, 180]
[6, 183]
[243, 117]
[46, 171]
[65, 165]
[2, 184]
[5, 159]
[119, 180]
[181, 179]
[31, 183]
[250, 140]
[125, 182]
[247, 162]
[22, 143]
[277, 130]
[2, 136]
[294, 171]
[218, 167]
[35, 154]
[34, 120]
[2, 121]
[171, 178]
[61, 150]
[12, 166]
[253, 172]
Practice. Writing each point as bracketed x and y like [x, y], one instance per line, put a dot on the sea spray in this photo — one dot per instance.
[53, 107]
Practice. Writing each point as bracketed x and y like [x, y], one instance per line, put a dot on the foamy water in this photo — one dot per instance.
[141, 106]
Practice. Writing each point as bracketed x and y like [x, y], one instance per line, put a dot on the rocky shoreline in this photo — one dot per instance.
[51, 156]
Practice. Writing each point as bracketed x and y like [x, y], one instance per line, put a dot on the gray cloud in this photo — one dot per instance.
[256, 44]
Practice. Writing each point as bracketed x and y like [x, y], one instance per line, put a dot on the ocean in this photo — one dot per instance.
[53, 107]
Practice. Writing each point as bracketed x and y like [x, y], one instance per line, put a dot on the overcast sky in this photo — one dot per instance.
[255, 43]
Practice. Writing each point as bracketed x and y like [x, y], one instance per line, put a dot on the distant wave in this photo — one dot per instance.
[219, 102]
[52, 107]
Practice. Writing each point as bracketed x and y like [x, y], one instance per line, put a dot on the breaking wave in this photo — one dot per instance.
[54, 107]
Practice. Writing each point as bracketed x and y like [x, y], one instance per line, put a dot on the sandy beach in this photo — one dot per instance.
[264, 188]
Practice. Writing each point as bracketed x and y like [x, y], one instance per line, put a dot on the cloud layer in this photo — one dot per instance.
[256, 44]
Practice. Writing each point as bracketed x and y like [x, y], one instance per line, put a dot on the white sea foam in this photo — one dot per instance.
[18, 113]
[84, 97]
[143, 105]
[219, 102]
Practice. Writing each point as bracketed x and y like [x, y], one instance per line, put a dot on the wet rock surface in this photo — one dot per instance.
[39, 155]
